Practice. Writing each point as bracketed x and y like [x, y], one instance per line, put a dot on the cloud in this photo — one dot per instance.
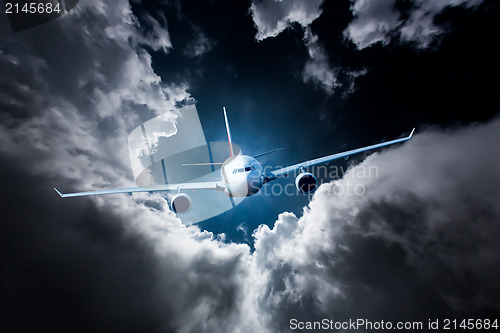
[422, 239]
[350, 77]
[317, 68]
[200, 45]
[421, 236]
[88, 79]
[272, 17]
[158, 37]
[109, 263]
[381, 21]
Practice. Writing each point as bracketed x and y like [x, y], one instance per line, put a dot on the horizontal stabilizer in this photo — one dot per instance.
[187, 164]
[267, 152]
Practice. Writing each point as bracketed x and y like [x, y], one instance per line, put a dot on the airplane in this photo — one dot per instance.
[240, 176]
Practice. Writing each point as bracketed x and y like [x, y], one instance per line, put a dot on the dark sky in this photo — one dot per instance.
[420, 242]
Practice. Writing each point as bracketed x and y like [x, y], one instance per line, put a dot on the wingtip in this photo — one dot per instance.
[60, 194]
[411, 134]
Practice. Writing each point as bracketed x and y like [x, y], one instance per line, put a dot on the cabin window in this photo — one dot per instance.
[235, 171]
[241, 170]
[247, 169]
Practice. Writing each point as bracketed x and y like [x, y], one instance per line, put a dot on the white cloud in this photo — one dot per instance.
[271, 17]
[351, 76]
[433, 209]
[158, 38]
[380, 21]
[123, 26]
[420, 26]
[200, 45]
[372, 23]
[317, 68]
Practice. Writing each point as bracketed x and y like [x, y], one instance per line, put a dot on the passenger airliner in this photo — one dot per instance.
[240, 176]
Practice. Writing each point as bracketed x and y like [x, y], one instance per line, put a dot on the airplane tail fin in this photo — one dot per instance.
[231, 153]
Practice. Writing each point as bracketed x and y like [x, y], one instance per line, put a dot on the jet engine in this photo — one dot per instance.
[181, 204]
[306, 182]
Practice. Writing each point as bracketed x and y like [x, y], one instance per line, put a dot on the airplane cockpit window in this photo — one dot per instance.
[246, 169]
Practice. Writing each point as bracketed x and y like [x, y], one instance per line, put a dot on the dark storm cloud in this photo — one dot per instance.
[109, 266]
[420, 242]
[83, 81]
[76, 87]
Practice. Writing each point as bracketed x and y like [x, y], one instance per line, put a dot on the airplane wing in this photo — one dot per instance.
[283, 171]
[213, 185]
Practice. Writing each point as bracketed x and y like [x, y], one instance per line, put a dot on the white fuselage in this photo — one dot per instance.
[242, 175]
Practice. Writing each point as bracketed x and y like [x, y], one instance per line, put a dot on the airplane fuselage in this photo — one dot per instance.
[242, 175]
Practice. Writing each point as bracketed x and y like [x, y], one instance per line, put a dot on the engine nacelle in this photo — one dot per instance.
[181, 204]
[306, 182]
